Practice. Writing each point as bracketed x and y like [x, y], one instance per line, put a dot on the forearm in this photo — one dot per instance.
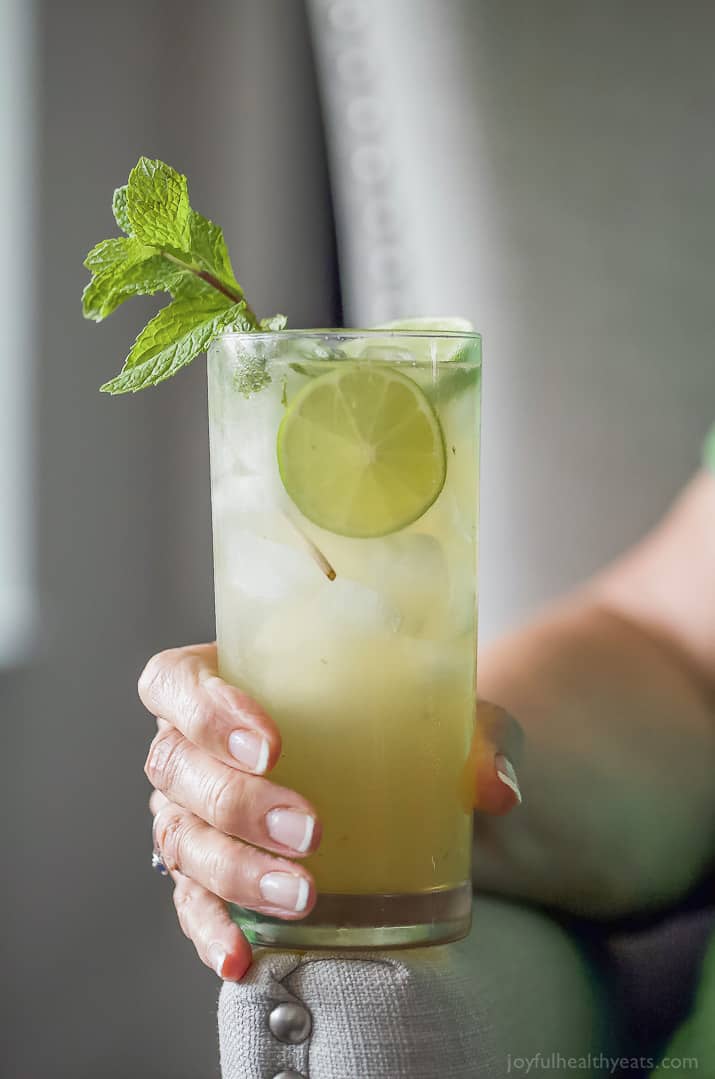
[617, 772]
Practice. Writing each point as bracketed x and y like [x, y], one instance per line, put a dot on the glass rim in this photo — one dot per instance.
[351, 333]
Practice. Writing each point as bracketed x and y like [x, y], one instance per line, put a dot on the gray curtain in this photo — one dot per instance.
[548, 170]
[99, 980]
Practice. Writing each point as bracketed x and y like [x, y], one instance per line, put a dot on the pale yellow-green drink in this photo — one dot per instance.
[370, 676]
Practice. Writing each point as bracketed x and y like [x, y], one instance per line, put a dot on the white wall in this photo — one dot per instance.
[547, 169]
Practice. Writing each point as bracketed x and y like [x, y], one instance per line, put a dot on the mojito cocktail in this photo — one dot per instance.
[344, 487]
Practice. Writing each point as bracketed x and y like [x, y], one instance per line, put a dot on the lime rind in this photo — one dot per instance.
[431, 324]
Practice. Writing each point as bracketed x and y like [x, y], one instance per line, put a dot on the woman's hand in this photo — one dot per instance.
[212, 807]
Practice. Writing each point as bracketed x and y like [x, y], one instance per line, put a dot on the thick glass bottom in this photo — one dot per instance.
[367, 921]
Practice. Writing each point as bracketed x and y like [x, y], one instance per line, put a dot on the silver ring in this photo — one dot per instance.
[157, 863]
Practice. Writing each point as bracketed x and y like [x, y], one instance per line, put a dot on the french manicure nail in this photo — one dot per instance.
[290, 827]
[250, 749]
[507, 775]
[216, 955]
[285, 890]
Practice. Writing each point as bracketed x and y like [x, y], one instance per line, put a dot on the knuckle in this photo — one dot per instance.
[234, 871]
[240, 871]
[172, 829]
[195, 718]
[183, 902]
[188, 702]
[228, 803]
[153, 678]
[163, 759]
[225, 876]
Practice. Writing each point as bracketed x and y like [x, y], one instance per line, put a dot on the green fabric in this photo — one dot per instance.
[696, 1037]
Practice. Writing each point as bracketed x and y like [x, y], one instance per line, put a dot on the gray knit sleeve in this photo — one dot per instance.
[517, 986]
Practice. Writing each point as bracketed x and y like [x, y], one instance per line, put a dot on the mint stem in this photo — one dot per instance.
[236, 296]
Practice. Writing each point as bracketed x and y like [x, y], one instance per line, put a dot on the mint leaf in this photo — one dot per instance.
[111, 253]
[124, 267]
[168, 247]
[158, 205]
[251, 376]
[189, 286]
[107, 290]
[120, 211]
[273, 324]
[174, 338]
[209, 250]
[113, 263]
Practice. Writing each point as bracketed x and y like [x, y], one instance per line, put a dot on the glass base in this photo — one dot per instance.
[367, 921]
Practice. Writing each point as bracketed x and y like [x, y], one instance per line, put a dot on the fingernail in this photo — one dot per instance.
[290, 827]
[285, 890]
[506, 773]
[234, 967]
[216, 955]
[249, 748]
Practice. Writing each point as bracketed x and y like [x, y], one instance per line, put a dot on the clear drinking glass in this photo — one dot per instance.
[370, 676]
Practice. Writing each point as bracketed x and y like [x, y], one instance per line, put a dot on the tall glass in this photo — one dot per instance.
[370, 674]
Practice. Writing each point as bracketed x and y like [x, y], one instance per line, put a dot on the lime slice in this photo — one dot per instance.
[430, 349]
[437, 324]
[361, 451]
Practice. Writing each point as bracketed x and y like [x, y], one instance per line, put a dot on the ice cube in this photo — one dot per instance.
[408, 570]
[413, 579]
[240, 496]
[263, 569]
[353, 608]
[384, 351]
[333, 617]
[318, 650]
[248, 429]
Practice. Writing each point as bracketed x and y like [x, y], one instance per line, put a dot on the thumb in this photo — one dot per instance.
[497, 750]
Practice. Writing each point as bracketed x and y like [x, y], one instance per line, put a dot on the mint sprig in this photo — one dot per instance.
[168, 247]
[173, 338]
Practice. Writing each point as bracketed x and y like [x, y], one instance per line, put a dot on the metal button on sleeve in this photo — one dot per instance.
[289, 1075]
[290, 1023]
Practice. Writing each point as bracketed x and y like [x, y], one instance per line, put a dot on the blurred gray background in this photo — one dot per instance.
[546, 169]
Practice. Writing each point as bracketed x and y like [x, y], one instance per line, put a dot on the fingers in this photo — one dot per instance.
[497, 749]
[206, 922]
[156, 801]
[228, 868]
[183, 687]
[233, 802]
